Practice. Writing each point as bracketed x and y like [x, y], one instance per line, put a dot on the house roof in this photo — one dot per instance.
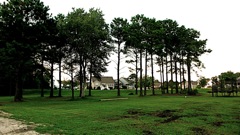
[124, 81]
[238, 80]
[104, 79]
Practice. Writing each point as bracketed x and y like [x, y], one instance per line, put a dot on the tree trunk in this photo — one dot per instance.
[183, 74]
[189, 75]
[153, 91]
[163, 88]
[141, 92]
[81, 77]
[167, 75]
[160, 73]
[145, 77]
[180, 74]
[118, 68]
[42, 79]
[171, 61]
[176, 79]
[84, 78]
[136, 77]
[18, 96]
[60, 80]
[72, 82]
[90, 81]
[51, 90]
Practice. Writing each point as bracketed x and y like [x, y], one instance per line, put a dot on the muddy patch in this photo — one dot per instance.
[171, 119]
[168, 114]
[163, 114]
[200, 131]
[217, 123]
[146, 132]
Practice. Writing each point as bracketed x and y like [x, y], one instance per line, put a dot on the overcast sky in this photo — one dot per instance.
[217, 20]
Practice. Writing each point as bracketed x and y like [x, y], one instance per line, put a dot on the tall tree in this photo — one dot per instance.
[88, 35]
[22, 28]
[194, 48]
[100, 47]
[51, 47]
[170, 28]
[61, 48]
[136, 35]
[118, 32]
[76, 26]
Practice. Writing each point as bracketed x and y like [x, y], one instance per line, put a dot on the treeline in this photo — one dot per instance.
[82, 42]
[227, 82]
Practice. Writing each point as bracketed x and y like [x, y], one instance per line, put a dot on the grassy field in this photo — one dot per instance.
[149, 115]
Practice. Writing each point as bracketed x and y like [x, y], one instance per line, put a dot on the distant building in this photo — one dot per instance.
[194, 84]
[105, 82]
[209, 84]
[238, 82]
[124, 83]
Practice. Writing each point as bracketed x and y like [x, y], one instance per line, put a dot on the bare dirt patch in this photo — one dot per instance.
[10, 126]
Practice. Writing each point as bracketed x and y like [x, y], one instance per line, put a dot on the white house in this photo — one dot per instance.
[55, 83]
[193, 84]
[209, 84]
[105, 82]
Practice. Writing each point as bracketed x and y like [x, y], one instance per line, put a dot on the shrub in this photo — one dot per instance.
[193, 92]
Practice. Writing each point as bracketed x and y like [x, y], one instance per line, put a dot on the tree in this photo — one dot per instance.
[154, 36]
[52, 47]
[203, 81]
[88, 36]
[61, 46]
[22, 26]
[135, 40]
[170, 30]
[132, 53]
[100, 47]
[228, 77]
[118, 27]
[194, 47]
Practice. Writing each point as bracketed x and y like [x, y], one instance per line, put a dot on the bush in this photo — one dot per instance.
[193, 92]
[184, 91]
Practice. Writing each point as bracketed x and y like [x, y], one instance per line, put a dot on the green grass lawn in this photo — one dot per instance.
[153, 115]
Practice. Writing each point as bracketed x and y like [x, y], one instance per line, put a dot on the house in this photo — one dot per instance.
[105, 82]
[124, 83]
[194, 84]
[209, 84]
[116, 84]
[55, 83]
[157, 85]
[238, 82]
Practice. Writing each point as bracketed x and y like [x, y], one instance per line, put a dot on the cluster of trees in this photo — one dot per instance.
[81, 42]
[31, 39]
[226, 82]
[176, 49]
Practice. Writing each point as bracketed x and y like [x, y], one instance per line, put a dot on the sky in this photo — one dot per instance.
[217, 20]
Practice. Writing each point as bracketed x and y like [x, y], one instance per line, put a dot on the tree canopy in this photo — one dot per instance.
[81, 42]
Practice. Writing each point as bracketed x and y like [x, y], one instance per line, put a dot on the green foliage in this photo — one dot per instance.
[203, 81]
[29, 36]
[22, 30]
[193, 92]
